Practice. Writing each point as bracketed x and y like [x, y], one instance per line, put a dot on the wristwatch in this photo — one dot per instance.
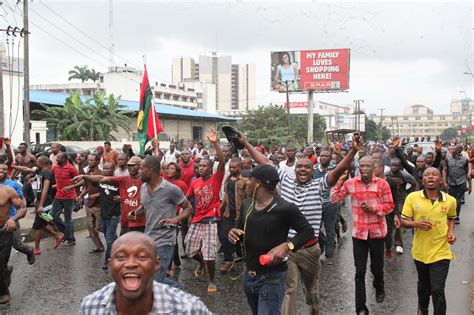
[291, 246]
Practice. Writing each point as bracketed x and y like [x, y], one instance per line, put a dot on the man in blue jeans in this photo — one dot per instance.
[263, 227]
[65, 197]
[159, 200]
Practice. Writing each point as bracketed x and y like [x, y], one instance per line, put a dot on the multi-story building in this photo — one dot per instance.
[462, 107]
[235, 85]
[419, 120]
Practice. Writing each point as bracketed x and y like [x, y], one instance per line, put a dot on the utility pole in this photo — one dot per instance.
[310, 116]
[111, 33]
[357, 112]
[288, 107]
[26, 75]
[381, 115]
[2, 112]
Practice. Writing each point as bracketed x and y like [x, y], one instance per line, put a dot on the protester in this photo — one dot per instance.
[263, 228]
[457, 177]
[55, 149]
[171, 155]
[8, 197]
[431, 213]
[44, 197]
[288, 166]
[28, 160]
[201, 239]
[65, 197]
[234, 195]
[159, 200]
[122, 169]
[132, 265]
[371, 201]
[109, 154]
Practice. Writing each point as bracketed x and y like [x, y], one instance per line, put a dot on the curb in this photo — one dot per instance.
[80, 223]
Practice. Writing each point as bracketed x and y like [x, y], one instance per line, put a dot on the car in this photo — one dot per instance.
[45, 149]
[427, 146]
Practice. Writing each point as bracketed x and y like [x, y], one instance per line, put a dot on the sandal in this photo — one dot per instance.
[59, 241]
[199, 271]
[96, 250]
[211, 288]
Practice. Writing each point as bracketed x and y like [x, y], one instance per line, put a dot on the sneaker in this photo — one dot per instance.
[457, 221]
[105, 266]
[37, 251]
[388, 254]
[329, 261]
[70, 243]
[399, 250]
[211, 288]
[31, 257]
[184, 256]
[226, 266]
[4, 298]
[199, 271]
[59, 241]
[380, 296]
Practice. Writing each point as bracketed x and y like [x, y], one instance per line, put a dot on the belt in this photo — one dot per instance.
[214, 220]
[311, 243]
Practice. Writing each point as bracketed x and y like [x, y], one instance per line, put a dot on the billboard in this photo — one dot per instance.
[319, 70]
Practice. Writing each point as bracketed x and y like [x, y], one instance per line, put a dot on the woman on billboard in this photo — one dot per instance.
[286, 73]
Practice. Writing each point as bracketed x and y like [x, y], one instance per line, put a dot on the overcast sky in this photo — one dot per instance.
[402, 53]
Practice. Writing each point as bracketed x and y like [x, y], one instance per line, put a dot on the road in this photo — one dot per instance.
[60, 278]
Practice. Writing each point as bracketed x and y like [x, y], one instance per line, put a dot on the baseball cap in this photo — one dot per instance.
[134, 160]
[266, 174]
[100, 148]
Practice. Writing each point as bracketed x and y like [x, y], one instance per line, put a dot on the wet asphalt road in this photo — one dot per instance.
[60, 278]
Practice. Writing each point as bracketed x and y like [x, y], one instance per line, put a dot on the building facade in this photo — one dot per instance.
[183, 69]
[419, 120]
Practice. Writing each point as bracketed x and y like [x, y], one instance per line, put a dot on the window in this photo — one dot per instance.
[442, 117]
[417, 118]
[405, 117]
[430, 117]
[455, 117]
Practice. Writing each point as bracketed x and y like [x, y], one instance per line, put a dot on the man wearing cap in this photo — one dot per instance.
[129, 190]
[263, 228]
[306, 193]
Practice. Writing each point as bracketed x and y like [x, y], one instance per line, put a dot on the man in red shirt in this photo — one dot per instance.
[129, 190]
[201, 240]
[187, 167]
[109, 154]
[371, 201]
[65, 197]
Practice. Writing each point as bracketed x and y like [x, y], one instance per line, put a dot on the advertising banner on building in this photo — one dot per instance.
[319, 70]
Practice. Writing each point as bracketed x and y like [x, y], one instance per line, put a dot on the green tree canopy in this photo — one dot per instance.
[94, 119]
[449, 133]
[374, 132]
[268, 125]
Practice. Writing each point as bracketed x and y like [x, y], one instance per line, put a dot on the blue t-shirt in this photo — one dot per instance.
[19, 191]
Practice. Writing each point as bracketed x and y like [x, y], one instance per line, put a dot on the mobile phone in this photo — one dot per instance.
[357, 137]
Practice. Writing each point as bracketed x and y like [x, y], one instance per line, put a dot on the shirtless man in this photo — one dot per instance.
[8, 196]
[29, 160]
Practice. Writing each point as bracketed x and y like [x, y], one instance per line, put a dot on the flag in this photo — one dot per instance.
[148, 122]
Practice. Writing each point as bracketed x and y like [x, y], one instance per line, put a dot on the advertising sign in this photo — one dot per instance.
[319, 70]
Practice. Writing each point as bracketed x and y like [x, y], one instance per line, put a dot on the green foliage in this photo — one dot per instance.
[374, 132]
[94, 119]
[269, 126]
[449, 133]
[83, 73]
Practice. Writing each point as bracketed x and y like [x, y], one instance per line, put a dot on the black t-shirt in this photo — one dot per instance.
[41, 177]
[268, 228]
[109, 207]
[231, 197]
[394, 191]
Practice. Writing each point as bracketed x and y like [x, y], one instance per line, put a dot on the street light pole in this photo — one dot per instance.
[288, 107]
[26, 75]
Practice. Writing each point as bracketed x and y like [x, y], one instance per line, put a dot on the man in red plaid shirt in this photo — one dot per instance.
[371, 201]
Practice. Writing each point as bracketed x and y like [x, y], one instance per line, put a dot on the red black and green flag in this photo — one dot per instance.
[148, 122]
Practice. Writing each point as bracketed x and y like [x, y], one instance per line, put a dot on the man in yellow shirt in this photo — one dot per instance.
[431, 213]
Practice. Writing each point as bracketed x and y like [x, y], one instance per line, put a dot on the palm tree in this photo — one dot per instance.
[93, 75]
[87, 119]
[79, 73]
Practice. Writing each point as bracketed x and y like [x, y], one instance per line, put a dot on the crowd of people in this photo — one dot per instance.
[279, 211]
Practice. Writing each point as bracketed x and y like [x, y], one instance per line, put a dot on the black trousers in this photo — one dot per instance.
[361, 250]
[225, 225]
[458, 193]
[6, 241]
[431, 282]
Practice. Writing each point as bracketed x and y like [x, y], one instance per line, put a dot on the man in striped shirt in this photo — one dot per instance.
[306, 192]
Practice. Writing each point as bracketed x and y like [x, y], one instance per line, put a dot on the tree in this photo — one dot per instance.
[94, 119]
[83, 73]
[269, 126]
[449, 133]
[374, 132]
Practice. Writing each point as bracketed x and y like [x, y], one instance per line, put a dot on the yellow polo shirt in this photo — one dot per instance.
[430, 246]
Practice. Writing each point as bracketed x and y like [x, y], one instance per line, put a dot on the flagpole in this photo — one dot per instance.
[157, 148]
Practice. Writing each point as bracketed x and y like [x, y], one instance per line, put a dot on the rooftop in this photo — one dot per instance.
[58, 99]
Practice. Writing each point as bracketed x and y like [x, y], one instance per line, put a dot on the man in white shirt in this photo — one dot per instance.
[171, 154]
[288, 166]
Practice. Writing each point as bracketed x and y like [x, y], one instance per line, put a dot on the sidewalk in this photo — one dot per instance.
[79, 219]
